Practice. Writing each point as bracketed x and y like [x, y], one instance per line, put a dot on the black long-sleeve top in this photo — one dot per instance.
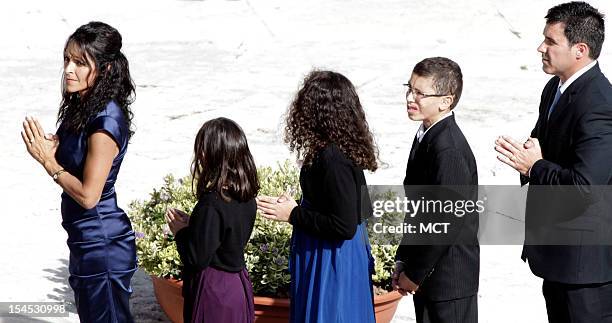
[217, 234]
[332, 186]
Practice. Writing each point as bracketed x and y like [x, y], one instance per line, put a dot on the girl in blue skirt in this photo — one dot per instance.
[211, 242]
[330, 261]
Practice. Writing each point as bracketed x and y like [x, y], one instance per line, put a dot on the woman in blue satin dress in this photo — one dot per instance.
[84, 158]
[330, 260]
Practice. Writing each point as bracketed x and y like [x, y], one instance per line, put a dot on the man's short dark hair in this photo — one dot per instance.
[583, 24]
[446, 75]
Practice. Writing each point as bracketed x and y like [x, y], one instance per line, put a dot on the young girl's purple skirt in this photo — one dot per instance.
[213, 295]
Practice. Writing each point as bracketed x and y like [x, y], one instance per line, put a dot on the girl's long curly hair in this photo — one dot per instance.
[327, 110]
[99, 45]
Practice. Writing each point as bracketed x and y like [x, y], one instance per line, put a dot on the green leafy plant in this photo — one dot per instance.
[266, 254]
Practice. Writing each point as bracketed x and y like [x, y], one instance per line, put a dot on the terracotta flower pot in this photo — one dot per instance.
[385, 306]
[271, 310]
[169, 296]
[267, 309]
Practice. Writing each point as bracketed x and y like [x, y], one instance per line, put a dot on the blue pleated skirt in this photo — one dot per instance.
[331, 280]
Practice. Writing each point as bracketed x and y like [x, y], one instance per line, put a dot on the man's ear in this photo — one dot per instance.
[582, 50]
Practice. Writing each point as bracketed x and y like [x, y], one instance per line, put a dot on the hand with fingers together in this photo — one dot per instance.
[177, 220]
[395, 277]
[276, 208]
[518, 156]
[405, 286]
[40, 146]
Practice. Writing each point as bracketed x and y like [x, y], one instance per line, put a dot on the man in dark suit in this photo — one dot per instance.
[568, 154]
[442, 276]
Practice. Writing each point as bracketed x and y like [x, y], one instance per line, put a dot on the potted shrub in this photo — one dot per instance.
[266, 255]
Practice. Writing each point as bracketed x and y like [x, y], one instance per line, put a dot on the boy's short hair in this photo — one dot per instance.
[446, 75]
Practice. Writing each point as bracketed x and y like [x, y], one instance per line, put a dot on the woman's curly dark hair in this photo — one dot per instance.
[99, 45]
[327, 110]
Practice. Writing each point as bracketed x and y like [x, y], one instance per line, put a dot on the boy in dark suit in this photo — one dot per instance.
[443, 277]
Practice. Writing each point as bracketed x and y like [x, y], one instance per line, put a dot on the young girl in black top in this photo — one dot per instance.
[211, 242]
[330, 259]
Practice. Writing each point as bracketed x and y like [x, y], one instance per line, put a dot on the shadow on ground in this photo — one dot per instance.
[143, 304]
[62, 294]
[21, 318]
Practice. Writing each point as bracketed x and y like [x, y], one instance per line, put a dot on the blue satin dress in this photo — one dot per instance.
[101, 240]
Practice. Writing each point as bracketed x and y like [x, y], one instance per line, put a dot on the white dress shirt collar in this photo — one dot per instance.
[566, 84]
[422, 131]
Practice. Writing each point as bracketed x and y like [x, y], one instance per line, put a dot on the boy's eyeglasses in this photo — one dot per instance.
[418, 94]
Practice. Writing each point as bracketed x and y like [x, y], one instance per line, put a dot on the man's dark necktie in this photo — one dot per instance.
[554, 103]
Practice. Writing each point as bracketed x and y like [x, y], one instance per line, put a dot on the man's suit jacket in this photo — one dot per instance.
[450, 271]
[568, 220]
